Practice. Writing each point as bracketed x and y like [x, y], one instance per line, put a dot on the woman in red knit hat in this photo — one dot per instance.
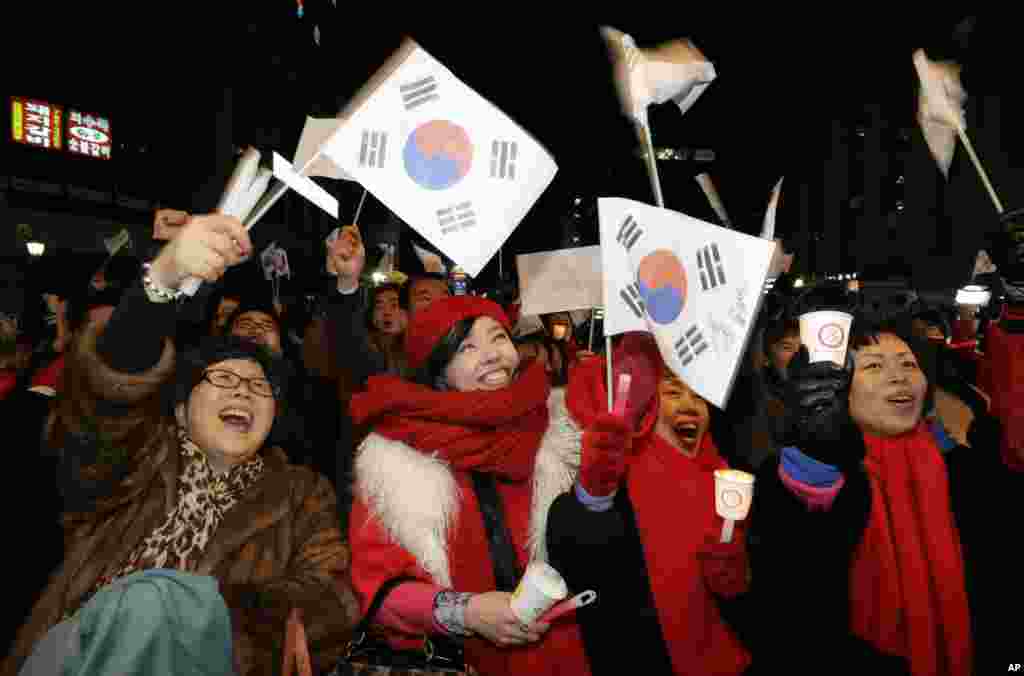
[452, 490]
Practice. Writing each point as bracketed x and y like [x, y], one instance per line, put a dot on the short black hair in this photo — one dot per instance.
[192, 365]
[777, 330]
[867, 330]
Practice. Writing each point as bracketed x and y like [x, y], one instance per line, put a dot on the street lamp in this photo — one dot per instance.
[35, 249]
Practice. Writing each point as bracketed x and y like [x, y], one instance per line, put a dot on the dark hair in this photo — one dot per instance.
[777, 330]
[78, 306]
[561, 376]
[431, 373]
[867, 331]
[405, 295]
[213, 304]
[191, 366]
[382, 289]
[258, 305]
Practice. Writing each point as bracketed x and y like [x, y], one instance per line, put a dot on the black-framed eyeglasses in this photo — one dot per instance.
[229, 380]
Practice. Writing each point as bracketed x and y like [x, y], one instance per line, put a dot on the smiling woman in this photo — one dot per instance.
[452, 489]
[175, 503]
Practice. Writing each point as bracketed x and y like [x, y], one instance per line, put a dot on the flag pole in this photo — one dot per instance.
[981, 170]
[652, 161]
[608, 359]
[593, 320]
[359, 209]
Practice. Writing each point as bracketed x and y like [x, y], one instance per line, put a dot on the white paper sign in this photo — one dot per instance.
[305, 186]
[443, 159]
[693, 285]
[557, 281]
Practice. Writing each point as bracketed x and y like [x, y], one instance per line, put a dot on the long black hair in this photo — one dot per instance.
[431, 373]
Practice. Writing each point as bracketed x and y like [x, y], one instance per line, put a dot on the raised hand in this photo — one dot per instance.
[205, 248]
[347, 257]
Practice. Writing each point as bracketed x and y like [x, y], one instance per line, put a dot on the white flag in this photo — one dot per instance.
[693, 285]
[454, 167]
[781, 261]
[714, 199]
[118, 241]
[940, 107]
[315, 133]
[673, 71]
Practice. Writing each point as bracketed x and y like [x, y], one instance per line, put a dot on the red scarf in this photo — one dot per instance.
[496, 432]
[663, 484]
[907, 579]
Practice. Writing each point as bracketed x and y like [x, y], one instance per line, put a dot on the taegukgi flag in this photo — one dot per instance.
[441, 157]
[695, 286]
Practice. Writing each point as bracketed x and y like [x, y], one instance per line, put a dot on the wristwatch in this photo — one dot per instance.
[155, 292]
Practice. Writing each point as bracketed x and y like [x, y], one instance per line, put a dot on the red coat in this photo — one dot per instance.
[413, 496]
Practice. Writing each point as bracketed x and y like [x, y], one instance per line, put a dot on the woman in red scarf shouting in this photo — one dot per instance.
[640, 526]
[452, 490]
[869, 548]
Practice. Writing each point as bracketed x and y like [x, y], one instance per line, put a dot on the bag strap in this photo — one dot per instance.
[503, 553]
[377, 602]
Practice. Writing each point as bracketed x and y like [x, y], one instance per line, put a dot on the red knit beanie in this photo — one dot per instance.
[433, 323]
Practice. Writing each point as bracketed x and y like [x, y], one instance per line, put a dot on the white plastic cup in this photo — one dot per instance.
[734, 491]
[826, 335]
[540, 589]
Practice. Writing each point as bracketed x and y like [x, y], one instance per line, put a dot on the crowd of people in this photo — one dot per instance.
[401, 456]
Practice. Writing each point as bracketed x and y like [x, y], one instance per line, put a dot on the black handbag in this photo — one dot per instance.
[370, 653]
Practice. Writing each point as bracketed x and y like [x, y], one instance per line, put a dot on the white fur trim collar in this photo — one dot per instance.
[416, 498]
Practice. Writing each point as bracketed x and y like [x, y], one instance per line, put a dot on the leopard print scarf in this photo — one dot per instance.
[203, 500]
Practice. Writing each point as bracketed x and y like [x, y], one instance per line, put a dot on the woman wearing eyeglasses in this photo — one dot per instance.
[188, 540]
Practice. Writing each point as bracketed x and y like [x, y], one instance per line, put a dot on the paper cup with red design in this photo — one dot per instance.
[734, 492]
[826, 334]
[540, 589]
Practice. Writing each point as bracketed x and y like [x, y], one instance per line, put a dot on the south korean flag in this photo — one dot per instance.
[443, 159]
[697, 286]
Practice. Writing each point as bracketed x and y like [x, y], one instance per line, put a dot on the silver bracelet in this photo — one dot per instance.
[155, 292]
[450, 612]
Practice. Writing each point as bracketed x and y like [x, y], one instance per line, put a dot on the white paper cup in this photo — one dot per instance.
[540, 589]
[734, 491]
[826, 334]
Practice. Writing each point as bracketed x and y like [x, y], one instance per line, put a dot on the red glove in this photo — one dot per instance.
[724, 567]
[605, 446]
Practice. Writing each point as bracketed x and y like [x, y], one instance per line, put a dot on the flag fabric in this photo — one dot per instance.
[442, 158]
[432, 263]
[118, 241]
[673, 71]
[714, 199]
[695, 286]
[781, 261]
[315, 133]
[940, 108]
[305, 186]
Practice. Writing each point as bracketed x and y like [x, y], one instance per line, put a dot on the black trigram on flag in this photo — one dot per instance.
[503, 159]
[373, 149]
[709, 263]
[631, 297]
[629, 232]
[690, 345]
[455, 218]
[415, 94]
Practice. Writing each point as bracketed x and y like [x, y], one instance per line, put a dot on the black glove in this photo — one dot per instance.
[818, 419]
